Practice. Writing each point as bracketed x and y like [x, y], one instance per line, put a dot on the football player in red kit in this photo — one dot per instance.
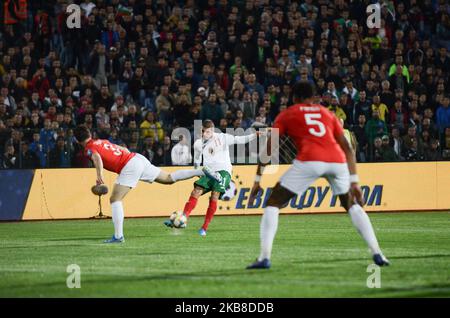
[131, 167]
[322, 151]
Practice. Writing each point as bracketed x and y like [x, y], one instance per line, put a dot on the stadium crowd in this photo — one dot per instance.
[136, 70]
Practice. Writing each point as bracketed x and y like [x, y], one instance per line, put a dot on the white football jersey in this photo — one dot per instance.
[215, 151]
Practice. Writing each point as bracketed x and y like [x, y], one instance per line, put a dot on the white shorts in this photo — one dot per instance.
[303, 173]
[138, 168]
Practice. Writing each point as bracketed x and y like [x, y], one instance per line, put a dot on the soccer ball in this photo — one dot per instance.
[230, 193]
[179, 220]
[173, 216]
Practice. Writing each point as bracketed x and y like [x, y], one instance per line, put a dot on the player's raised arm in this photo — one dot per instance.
[98, 164]
[232, 140]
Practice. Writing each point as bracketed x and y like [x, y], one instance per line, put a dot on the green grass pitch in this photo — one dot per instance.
[314, 256]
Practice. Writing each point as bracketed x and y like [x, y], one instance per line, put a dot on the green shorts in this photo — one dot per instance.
[210, 184]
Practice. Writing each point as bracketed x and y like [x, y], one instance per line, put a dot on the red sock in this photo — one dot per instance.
[210, 213]
[190, 205]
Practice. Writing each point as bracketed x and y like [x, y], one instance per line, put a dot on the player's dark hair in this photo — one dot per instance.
[302, 90]
[208, 123]
[81, 133]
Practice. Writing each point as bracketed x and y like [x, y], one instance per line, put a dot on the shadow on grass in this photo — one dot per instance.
[428, 290]
[176, 277]
[342, 260]
[421, 256]
[41, 246]
[332, 260]
[100, 239]
[94, 238]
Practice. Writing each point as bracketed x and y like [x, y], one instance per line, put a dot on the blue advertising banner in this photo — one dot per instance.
[14, 189]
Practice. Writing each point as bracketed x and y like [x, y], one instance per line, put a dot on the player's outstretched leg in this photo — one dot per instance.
[117, 196]
[170, 178]
[362, 223]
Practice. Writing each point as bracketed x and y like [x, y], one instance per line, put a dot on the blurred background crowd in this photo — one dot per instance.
[136, 70]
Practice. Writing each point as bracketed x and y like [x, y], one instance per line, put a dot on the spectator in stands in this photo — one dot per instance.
[147, 148]
[15, 140]
[138, 86]
[336, 108]
[375, 127]
[37, 148]
[167, 151]
[104, 98]
[397, 143]
[432, 153]
[387, 152]
[413, 153]
[361, 139]
[35, 124]
[60, 156]
[443, 115]
[212, 110]
[110, 36]
[98, 66]
[158, 156]
[164, 104]
[409, 139]
[382, 109]
[399, 116]
[114, 137]
[363, 106]
[398, 79]
[386, 95]
[377, 150]
[428, 125]
[152, 128]
[9, 159]
[253, 86]
[27, 158]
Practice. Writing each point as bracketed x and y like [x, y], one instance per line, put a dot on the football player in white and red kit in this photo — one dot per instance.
[322, 151]
[131, 167]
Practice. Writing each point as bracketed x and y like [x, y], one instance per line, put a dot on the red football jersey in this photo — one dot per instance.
[314, 130]
[114, 158]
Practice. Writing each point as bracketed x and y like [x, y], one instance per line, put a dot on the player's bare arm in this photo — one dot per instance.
[355, 190]
[259, 171]
[98, 164]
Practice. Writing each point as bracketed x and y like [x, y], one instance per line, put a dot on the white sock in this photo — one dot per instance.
[117, 217]
[185, 174]
[362, 223]
[268, 229]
